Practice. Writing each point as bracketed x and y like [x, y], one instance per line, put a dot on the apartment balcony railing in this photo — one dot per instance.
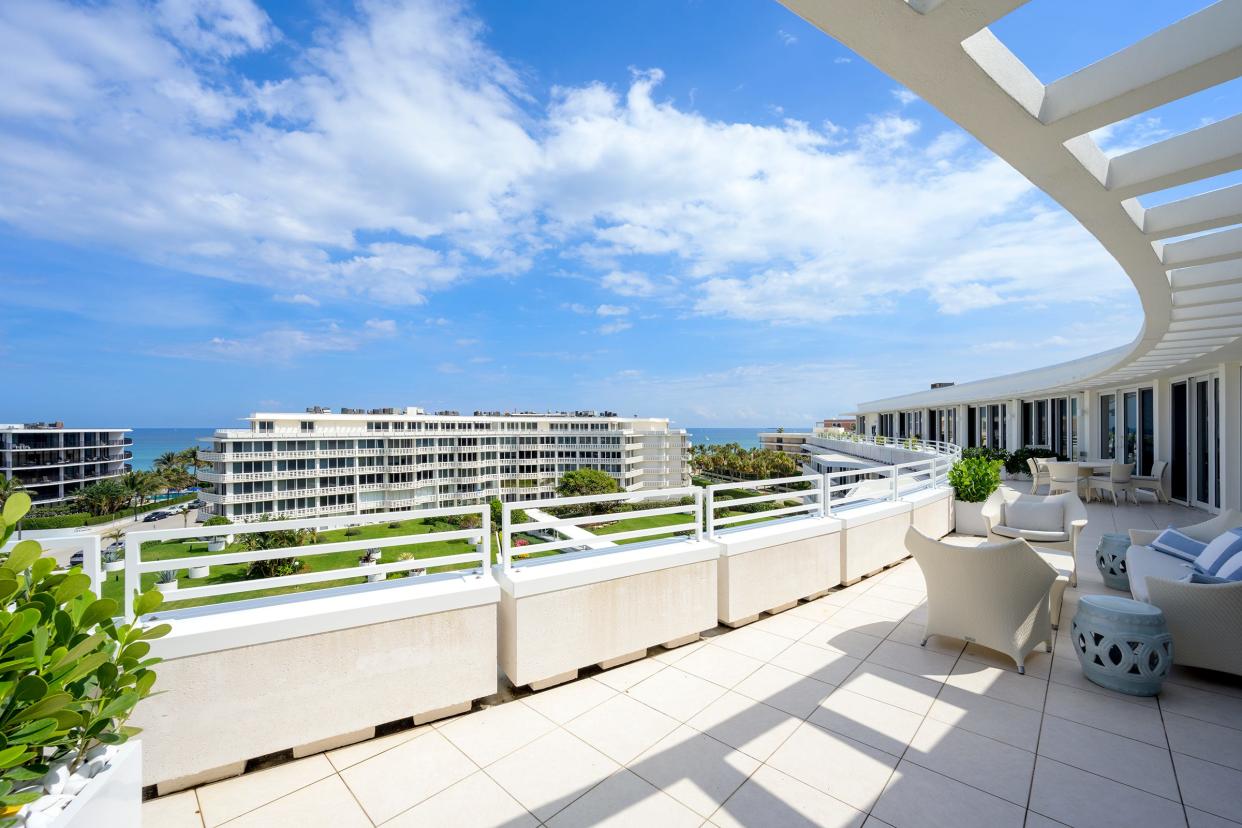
[806, 491]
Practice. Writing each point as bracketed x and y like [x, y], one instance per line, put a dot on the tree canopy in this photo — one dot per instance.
[732, 461]
[581, 482]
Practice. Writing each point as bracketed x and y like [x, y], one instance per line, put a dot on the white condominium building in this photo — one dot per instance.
[356, 461]
[52, 462]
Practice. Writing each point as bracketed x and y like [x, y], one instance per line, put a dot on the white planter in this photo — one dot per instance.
[169, 587]
[373, 579]
[217, 544]
[198, 572]
[113, 796]
[114, 566]
[968, 518]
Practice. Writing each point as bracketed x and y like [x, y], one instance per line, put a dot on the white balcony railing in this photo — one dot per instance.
[135, 566]
[693, 522]
[808, 501]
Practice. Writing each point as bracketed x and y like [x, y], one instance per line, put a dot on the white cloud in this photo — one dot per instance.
[129, 130]
[904, 96]
[381, 327]
[467, 343]
[628, 284]
[222, 27]
[615, 327]
[612, 310]
[786, 38]
[842, 59]
[297, 299]
[449, 368]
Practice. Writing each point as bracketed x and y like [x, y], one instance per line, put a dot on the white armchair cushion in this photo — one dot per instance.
[1143, 562]
[1223, 556]
[1175, 544]
[1033, 535]
[1041, 517]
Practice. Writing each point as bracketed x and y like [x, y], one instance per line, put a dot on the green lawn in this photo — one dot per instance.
[154, 550]
[618, 524]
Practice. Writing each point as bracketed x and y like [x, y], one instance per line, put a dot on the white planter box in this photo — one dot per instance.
[216, 544]
[874, 537]
[313, 671]
[198, 572]
[168, 587]
[113, 797]
[768, 567]
[968, 518]
[559, 614]
[114, 566]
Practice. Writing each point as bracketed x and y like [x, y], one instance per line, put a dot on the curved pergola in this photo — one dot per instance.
[1191, 289]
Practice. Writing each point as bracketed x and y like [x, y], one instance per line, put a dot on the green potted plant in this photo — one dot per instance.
[70, 676]
[216, 543]
[973, 479]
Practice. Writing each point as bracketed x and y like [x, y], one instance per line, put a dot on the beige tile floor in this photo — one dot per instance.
[827, 714]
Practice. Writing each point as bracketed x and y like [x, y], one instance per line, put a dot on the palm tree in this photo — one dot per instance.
[168, 460]
[140, 485]
[9, 486]
[190, 459]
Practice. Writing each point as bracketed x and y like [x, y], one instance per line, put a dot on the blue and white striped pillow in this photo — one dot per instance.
[1223, 556]
[1183, 547]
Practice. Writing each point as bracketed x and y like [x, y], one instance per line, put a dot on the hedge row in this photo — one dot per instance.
[77, 519]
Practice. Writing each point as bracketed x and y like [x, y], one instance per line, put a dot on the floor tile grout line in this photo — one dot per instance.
[365, 814]
[270, 801]
[1177, 781]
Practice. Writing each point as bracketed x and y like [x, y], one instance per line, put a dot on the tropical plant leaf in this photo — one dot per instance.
[30, 688]
[97, 611]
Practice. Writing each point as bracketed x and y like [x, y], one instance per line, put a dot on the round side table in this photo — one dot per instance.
[1110, 559]
[1123, 645]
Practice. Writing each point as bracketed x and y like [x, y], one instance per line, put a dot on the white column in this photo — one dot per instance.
[1013, 425]
[1230, 422]
[1087, 439]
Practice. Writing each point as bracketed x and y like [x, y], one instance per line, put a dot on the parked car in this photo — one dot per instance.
[158, 514]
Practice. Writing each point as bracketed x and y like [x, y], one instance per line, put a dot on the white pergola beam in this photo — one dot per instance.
[1195, 53]
[1206, 211]
[1210, 150]
[1205, 250]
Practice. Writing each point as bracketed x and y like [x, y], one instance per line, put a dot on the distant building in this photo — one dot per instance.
[53, 462]
[842, 423]
[385, 459]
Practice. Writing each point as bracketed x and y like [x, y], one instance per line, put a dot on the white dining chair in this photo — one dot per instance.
[1153, 482]
[1118, 480]
[1063, 477]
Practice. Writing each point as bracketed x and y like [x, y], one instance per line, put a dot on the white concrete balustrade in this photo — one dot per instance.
[319, 669]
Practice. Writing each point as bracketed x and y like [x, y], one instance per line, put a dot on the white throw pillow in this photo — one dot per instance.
[1046, 516]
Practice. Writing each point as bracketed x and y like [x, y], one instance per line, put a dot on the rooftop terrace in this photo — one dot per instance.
[826, 714]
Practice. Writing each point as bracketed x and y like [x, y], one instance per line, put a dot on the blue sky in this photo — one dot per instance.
[706, 211]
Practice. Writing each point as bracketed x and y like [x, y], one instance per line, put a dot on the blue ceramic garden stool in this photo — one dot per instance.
[1110, 559]
[1123, 645]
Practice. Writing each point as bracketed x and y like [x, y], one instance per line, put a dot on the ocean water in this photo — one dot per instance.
[746, 437]
[150, 443]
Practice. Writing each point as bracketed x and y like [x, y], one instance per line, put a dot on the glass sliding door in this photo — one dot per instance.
[1203, 442]
[1129, 409]
[1179, 462]
[1108, 425]
[1073, 428]
[1147, 430]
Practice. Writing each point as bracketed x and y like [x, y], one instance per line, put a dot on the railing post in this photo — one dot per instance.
[893, 472]
[823, 500]
[132, 556]
[698, 515]
[505, 519]
[709, 511]
[93, 565]
[485, 515]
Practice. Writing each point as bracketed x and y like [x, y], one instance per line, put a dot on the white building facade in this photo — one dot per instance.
[53, 462]
[323, 463]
